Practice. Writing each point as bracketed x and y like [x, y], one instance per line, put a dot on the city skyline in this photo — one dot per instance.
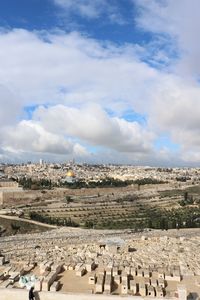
[100, 81]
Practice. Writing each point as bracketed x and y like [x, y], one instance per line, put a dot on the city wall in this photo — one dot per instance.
[9, 294]
[17, 196]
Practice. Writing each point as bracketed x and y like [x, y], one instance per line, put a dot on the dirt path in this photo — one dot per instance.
[27, 221]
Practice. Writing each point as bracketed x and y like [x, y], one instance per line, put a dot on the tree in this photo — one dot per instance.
[68, 199]
[15, 227]
[185, 196]
[150, 225]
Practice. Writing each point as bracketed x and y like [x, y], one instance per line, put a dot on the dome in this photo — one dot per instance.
[70, 173]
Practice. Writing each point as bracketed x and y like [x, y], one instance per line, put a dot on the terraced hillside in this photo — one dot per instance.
[128, 208]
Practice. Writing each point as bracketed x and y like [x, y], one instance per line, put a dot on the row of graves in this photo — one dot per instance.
[128, 280]
[109, 268]
[109, 279]
[41, 277]
[135, 281]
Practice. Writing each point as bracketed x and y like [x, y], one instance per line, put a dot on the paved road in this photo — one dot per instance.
[27, 221]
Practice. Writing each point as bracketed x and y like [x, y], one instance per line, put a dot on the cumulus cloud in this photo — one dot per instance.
[95, 126]
[29, 136]
[179, 22]
[70, 68]
[60, 73]
[176, 99]
[10, 106]
[49, 134]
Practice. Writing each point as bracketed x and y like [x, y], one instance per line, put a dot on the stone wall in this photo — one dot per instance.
[17, 196]
[9, 294]
[8, 184]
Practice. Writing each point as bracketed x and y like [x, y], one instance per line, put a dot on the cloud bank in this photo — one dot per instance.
[67, 95]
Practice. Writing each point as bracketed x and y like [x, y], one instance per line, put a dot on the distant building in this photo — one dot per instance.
[9, 189]
[70, 177]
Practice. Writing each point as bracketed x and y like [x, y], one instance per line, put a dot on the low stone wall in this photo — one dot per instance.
[15, 294]
[8, 184]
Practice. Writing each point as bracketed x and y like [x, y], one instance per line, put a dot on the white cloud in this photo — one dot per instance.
[179, 21]
[94, 126]
[79, 79]
[176, 106]
[87, 8]
[91, 9]
[29, 136]
[69, 68]
[72, 70]
[10, 107]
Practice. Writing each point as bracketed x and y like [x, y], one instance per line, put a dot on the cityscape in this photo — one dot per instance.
[82, 229]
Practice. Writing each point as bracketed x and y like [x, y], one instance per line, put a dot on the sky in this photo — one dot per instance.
[100, 81]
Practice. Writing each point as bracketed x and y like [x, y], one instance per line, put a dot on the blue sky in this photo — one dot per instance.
[45, 14]
[98, 80]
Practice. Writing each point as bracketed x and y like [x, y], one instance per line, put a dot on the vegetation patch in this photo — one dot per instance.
[13, 227]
